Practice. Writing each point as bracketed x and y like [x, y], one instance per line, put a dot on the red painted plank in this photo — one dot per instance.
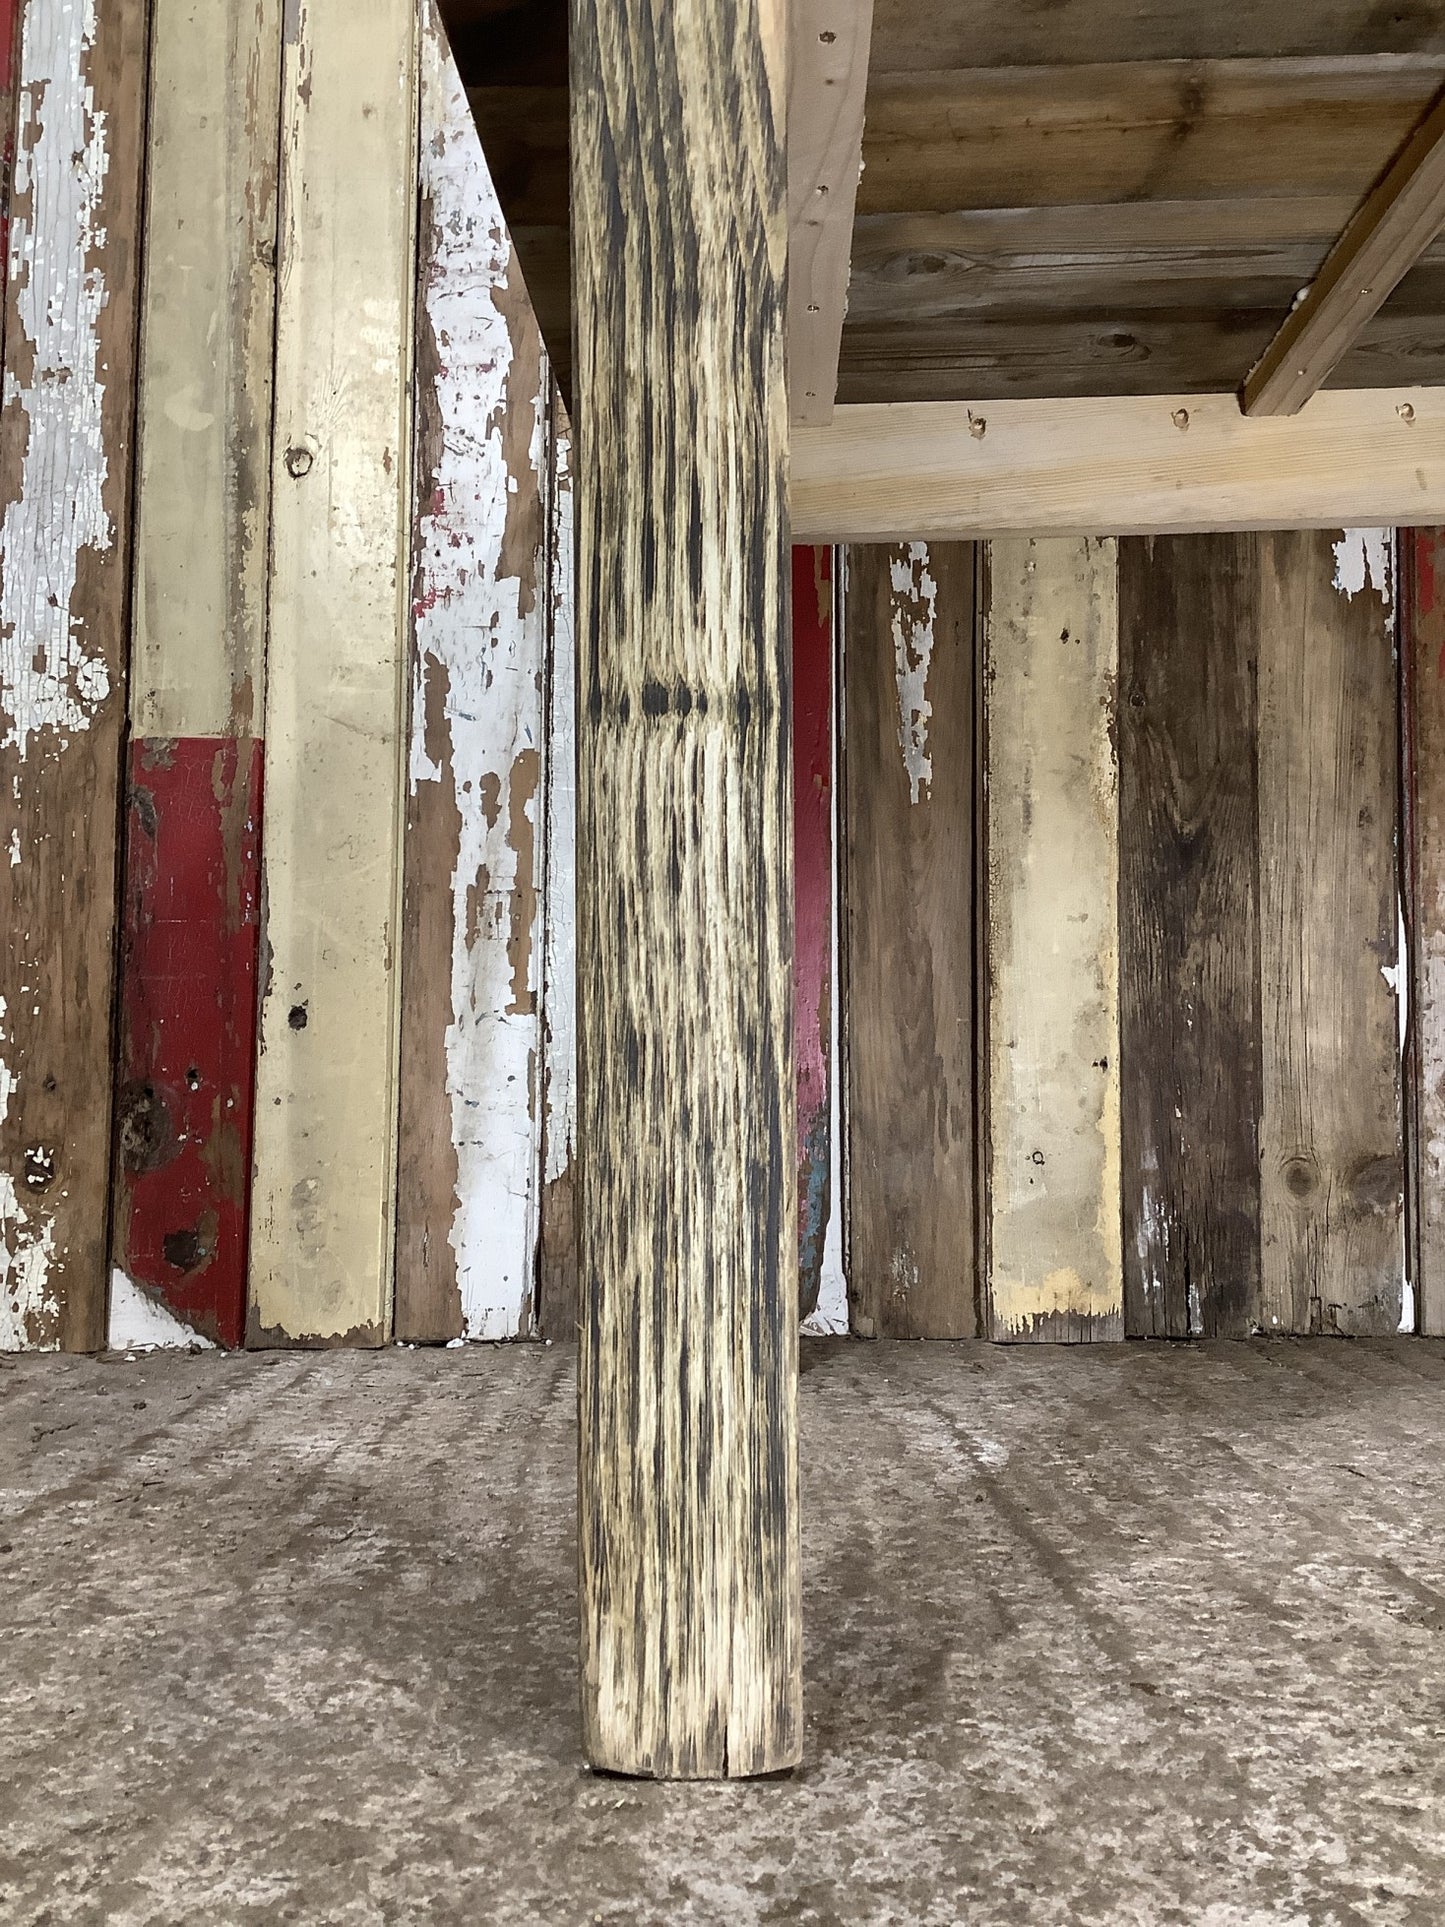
[813, 898]
[188, 1026]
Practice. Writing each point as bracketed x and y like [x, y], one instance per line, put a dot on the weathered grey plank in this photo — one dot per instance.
[908, 830]
[1189, 615]
[1331, 1155]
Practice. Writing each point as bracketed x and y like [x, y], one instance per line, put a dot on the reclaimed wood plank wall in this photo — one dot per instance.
[1102, 866]
[191, 894]
[1189, 1095]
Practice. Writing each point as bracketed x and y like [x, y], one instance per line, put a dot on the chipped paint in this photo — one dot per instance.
[480, 636]
[915, 612]
[138, 1323]
[50, 679]
[1365, 558]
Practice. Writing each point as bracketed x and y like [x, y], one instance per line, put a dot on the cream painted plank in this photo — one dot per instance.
[1141, 465]
[327, 1083]
[827, 86]
[198, 666]
[471, 948]
[1051, 1128]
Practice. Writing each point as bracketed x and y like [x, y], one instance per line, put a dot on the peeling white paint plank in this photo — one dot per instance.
[481, 622]
[65, 462]
[51, 678]
[323, 1227]
[1052, 1133]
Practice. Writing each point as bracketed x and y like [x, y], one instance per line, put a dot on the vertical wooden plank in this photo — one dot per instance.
[9, 34]
[65, 460]
[191, 900]
[909, 674]
[322, 1210]
[1189, 619]
[1423, 655]
[687, 1368]
[1054, 1264]
[557, 1230]
[813, 904]
[1331, 1159]
[469, 1161]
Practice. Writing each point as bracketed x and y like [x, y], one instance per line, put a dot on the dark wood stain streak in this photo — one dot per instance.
[1332, 1161]
[691, 1654]
[62, 806]
[557, 1215]
[910, 958]
[1422, 564]
[428, 1304]
[1189, 616]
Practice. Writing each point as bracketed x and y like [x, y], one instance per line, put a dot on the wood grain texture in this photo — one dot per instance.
[557, 1229]
[1331, 1158]
[1189, 622]
[688, 1236]
[1138, 130]
[469, 1165]
[813, 869]
[323, 1227]
[924, 35]
[65, 545]
[827, 83]
[1156, 257]
[197, 685]
[909, 675]
[207, 351]
[1167, 465]
[1401, 217]
[1050, 1151]
[1422, 563]
[1117, 348]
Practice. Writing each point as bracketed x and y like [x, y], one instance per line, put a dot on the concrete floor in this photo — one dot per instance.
[1132, 1635]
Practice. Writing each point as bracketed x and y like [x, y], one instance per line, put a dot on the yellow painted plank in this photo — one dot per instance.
[1053, 1225]
[322, 1220]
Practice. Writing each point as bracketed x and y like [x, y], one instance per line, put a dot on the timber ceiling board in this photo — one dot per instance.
[918, 37]
[1059, 197]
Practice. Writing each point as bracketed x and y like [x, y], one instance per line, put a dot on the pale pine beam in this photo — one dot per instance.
[828, 80]
[1383, 241]
[1118, 465]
